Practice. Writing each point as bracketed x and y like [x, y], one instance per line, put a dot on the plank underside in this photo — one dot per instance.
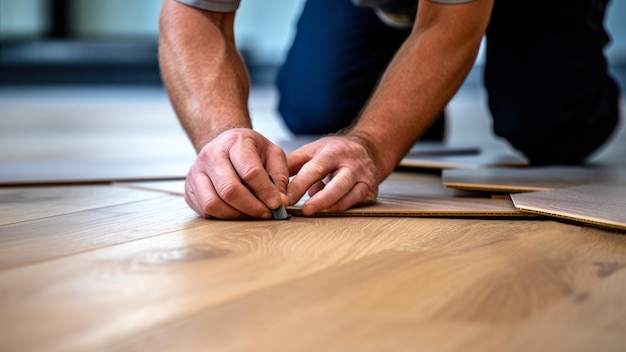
[513, 180]
[600, 205]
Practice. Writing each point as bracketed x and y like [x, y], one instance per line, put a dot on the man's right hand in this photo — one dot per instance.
[231, 177]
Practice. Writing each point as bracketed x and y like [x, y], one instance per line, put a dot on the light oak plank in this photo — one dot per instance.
[171, 276]
[429, 207]
[599, 205]
[19, 204]
[512, 180]
[39, 240]
[109, 295]
[481, 298]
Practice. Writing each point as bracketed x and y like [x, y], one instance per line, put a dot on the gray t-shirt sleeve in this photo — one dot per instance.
[451, 1]
[213, 5]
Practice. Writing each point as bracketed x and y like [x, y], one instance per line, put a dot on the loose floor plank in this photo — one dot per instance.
[599, 205]
[512, 180]
[402, 194]
[429, 207]
[19, 204]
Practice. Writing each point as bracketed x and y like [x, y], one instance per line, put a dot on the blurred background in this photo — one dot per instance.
[80, 89]
[115, 41]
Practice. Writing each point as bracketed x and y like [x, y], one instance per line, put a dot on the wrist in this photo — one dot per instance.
[367, 140]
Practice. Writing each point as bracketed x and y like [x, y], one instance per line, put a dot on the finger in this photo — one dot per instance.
[276, 166]
[228, 186]
[318, 186]
[359, 195]
[249, 166]
[340, 184]
[297, 158]
[201, 197]
[309, 174]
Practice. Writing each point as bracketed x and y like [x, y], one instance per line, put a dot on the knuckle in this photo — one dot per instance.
[252, 173]
[315, 166]
[227, 191]
[208, 206]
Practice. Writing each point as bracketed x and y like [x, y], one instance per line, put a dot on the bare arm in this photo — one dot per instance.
[202, 71]
[208, 86]
[423, 76]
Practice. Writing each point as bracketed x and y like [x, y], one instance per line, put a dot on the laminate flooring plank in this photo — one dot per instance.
[402, 194]
[109, 294]
[511, 180]
[72, 302]
[429, 207]
[57, 236]
[19, 204]
[588, 320]
[472, 300]
[599, 205]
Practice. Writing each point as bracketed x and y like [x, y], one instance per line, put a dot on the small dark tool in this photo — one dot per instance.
[279, 213]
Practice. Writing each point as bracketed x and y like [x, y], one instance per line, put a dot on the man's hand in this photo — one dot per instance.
[337, 171]
[230, 179]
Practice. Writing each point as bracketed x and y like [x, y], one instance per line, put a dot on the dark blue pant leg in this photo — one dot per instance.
[546, 76]
[338, 54]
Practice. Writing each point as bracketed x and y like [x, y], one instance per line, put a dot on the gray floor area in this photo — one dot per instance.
[39, 121]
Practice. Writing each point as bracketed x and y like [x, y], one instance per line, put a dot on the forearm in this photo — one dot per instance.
[424, 75]
[203, 72]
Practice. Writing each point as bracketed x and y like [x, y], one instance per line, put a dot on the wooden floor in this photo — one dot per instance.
[98, 266]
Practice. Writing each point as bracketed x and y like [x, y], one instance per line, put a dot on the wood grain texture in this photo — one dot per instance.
[19, 204]
[168, 277]
[82, 230]
[512, 180]
[600, 205]
[417, 298]
[339, 283]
